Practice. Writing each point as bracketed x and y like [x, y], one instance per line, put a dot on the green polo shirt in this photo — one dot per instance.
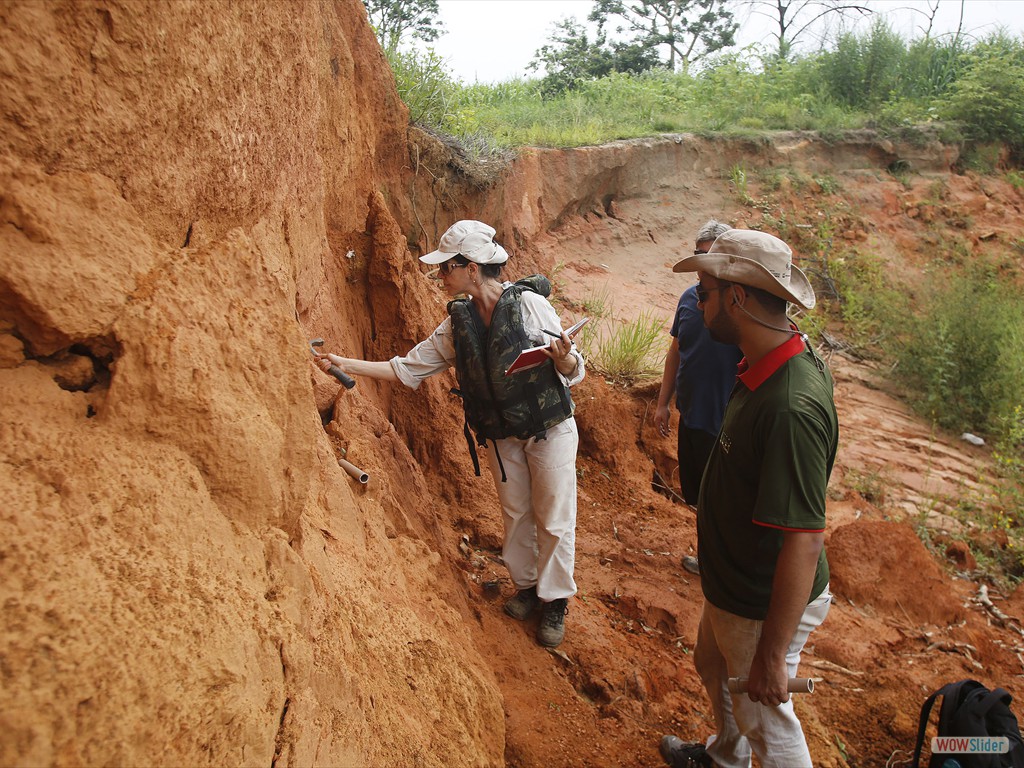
[766, 475]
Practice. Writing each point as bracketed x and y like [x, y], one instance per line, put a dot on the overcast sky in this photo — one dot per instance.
[493, 40]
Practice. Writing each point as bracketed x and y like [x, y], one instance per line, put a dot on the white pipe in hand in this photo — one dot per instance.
[793, 685]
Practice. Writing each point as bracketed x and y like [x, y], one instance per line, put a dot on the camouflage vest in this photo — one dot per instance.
[522, 405]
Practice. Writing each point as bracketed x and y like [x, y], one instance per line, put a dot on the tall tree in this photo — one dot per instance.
[570, 56]
[395, 21]
[793, 18]
[691, 29]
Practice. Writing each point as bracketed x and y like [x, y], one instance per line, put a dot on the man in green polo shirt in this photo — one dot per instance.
[761, 511]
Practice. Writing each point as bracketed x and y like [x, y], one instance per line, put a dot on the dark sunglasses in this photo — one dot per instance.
[448, 266]
[703, 293]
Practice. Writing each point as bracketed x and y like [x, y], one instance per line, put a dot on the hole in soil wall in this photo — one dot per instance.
[101, 354]
[898, 167]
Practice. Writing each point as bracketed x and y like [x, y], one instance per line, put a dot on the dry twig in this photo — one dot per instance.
[823, 664]
[997, 615]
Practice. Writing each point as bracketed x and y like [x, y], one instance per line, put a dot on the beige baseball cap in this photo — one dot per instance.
[474, 240]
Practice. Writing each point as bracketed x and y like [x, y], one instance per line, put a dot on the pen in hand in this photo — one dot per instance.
[570, 332]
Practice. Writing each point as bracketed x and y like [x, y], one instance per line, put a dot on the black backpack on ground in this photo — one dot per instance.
[971, 709]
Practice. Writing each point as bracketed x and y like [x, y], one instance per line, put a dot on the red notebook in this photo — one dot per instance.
[534, 356]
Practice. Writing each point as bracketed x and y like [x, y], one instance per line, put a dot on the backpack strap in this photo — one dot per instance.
[926, 710]
[472, 447]
[469, 437]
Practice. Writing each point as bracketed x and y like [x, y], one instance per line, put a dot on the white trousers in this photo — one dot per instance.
[725, 648]
[538, 504]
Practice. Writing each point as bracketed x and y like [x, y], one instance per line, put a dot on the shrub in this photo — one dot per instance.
[988, 99]
[871, 306]
[865, 71]
[427, 88]
[962, 353]
[1009, 456]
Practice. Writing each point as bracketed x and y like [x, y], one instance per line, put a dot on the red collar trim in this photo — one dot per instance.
[754, 376]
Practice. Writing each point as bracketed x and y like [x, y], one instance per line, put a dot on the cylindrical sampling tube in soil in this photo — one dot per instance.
[354, 472]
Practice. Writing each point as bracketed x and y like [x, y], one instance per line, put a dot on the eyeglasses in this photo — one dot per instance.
[448, 266]
[703, 293]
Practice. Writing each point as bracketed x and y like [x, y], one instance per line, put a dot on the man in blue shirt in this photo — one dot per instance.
[700, 372]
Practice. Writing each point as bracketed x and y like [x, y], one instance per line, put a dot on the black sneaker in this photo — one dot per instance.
[684, 754]
[552, 622]
[522, 604]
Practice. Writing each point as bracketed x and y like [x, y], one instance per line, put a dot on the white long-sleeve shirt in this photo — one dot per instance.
[437, 352]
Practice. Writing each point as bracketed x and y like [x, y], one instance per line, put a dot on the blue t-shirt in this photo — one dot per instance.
[707, 368]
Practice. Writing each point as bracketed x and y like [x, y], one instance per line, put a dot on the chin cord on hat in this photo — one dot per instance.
[759, 321]
[818, 362]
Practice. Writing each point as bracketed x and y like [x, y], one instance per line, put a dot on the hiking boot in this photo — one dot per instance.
[684, 754]
[690, 563]
[522, 604]
[552, 622]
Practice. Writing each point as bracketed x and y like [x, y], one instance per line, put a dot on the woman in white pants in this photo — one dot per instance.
[523, 419]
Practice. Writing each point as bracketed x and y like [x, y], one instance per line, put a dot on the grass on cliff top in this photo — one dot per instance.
[873, 80]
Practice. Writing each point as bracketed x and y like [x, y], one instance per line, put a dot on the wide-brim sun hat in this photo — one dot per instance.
[472, 239]
[753, 258]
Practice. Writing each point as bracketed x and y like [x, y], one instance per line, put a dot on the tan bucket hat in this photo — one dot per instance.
[753, 258]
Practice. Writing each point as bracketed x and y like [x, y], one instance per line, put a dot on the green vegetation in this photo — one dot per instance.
[624, 352]
[597, 304]
[396, 20]
[987, 96]
[686, 31]
[428, 89]
[962, 353]
[875, 80]
[871, 485]
[1009, 456]
[956, 347]
[570, 57]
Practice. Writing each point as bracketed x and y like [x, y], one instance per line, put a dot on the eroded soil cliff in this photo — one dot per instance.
[188, 194]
